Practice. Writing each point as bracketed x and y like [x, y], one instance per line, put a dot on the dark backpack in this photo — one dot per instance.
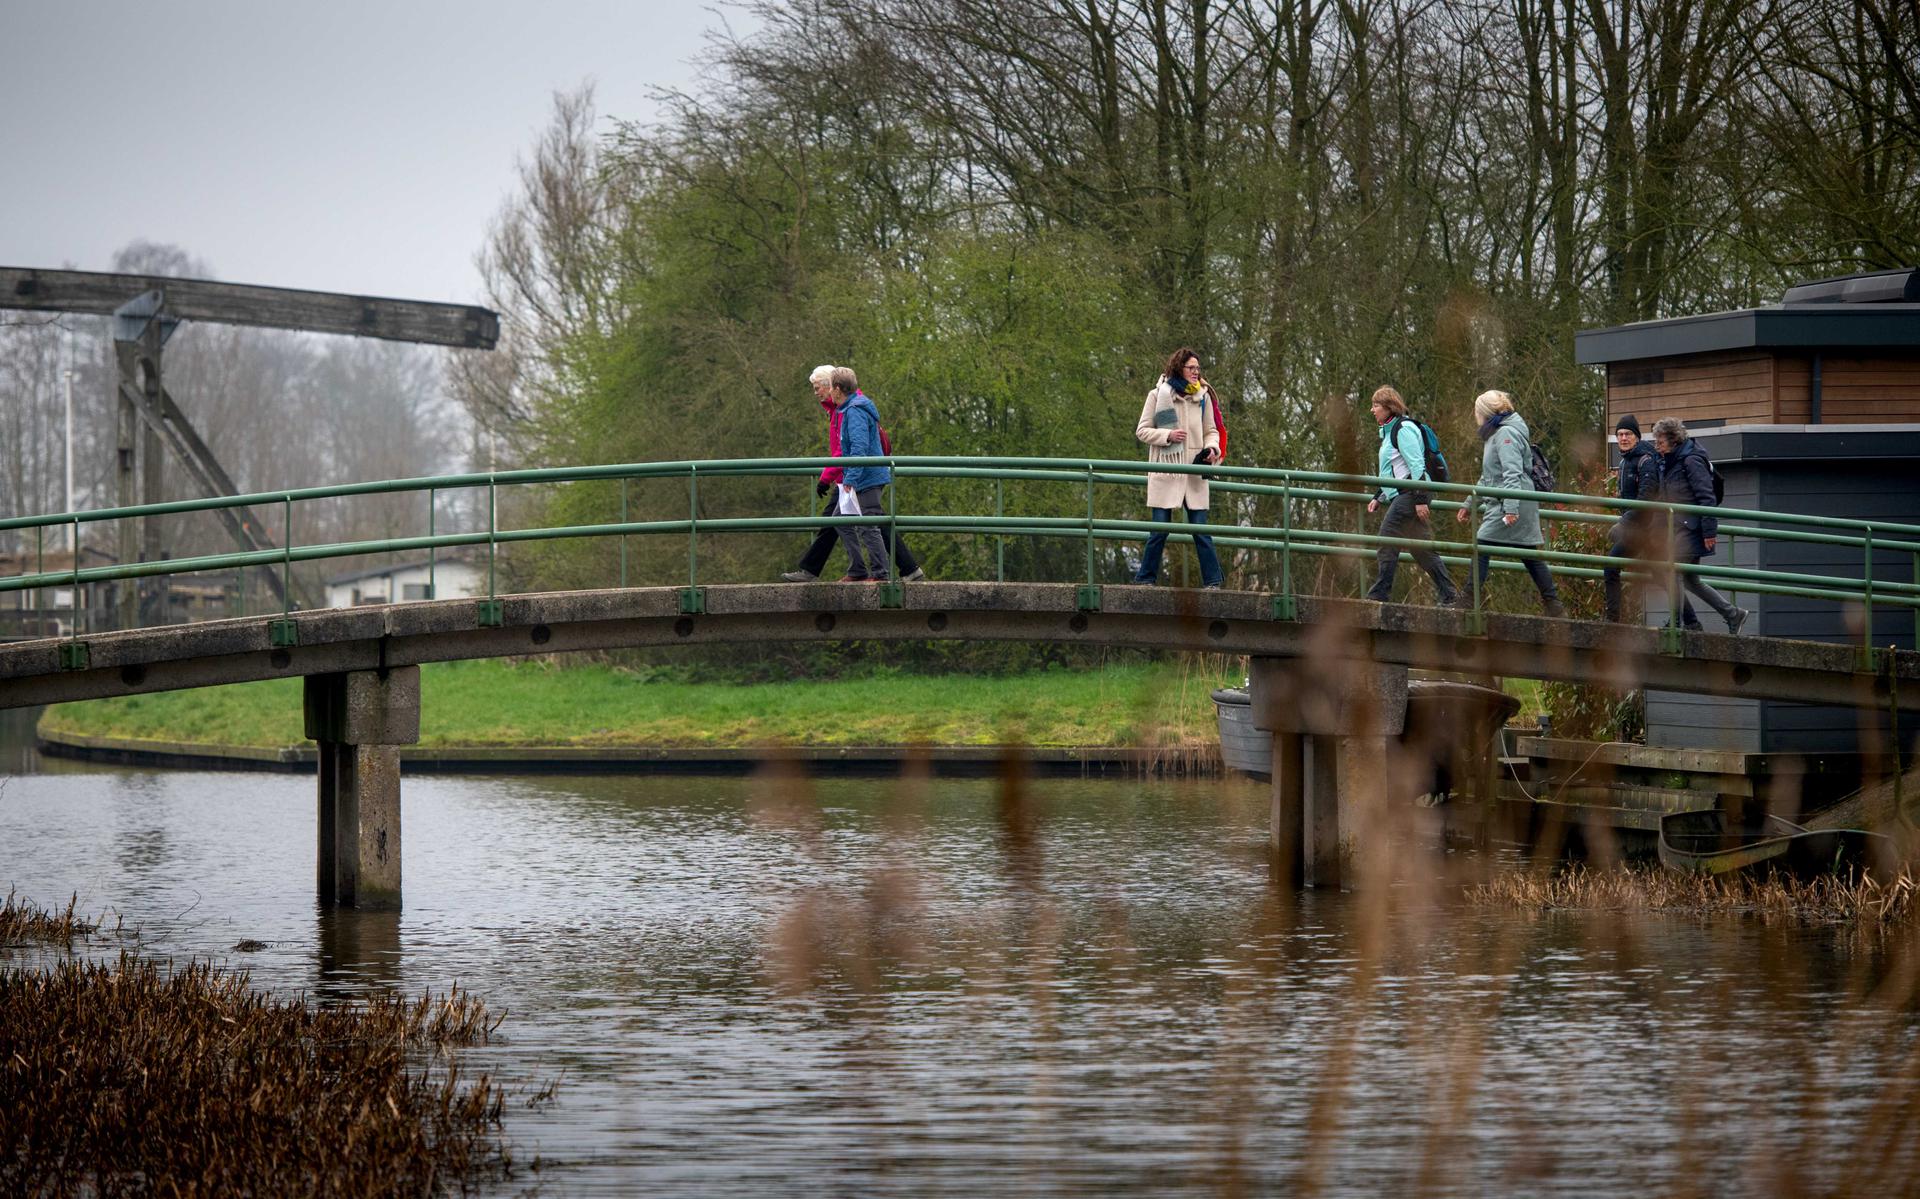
[1429, 445]
[1539, 470]
[1713, 472]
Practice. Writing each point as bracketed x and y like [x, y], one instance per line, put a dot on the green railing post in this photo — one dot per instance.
[623, 536]
[1866, 625]
[1477, 618]
[1000, 542]
[1914, 577]
[286, 558]
[433, 551]
[892, 593]
[693, 600]
[491, 613]
[1089, 524]
[75, 597]
[40, 568]
[1089, 598]
[1671, 641]
[283, 633]
[1284, 607]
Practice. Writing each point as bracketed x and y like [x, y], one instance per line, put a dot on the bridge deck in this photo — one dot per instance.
[1327, 630]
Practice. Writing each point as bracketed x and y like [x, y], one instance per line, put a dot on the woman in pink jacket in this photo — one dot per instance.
[1177, 425]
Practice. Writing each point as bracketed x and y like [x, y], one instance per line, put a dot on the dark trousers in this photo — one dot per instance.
[1610, 577]
[1402, 521]
[1542, 577]
[1210, 572]
[814, 561]
[1705, 590]
[866, 544]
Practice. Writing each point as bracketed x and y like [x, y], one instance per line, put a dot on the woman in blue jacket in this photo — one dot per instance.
[860, 438]
[1403, 455]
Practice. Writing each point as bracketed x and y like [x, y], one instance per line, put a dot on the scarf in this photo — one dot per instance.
[1165, 417]
[1493, 424]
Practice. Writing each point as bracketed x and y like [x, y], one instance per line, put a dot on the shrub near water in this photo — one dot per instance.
[131, 1077]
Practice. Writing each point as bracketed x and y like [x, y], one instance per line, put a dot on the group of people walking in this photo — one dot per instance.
[1181, 423]
[853, 431]
[1674, 469]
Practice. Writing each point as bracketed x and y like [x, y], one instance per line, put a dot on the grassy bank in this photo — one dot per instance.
[497, 703]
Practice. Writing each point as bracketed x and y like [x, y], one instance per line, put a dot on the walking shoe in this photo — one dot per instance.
[1211, 587]
[1737, 620]
[1554, 609]
[799, 576]
[919, 575]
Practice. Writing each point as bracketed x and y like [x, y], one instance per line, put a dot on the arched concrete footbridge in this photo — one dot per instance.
[383, 637]
[362, 694]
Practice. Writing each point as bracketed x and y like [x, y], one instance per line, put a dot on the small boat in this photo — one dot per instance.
[1706, 843]
[1242, 747]
[1449, 722]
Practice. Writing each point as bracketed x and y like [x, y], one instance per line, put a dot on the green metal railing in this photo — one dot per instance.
[1297, 491]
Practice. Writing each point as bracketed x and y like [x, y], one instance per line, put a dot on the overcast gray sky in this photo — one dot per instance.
[344, 145]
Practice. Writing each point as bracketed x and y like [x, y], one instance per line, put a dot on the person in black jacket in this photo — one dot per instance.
[1686, 477]
[1639, 480]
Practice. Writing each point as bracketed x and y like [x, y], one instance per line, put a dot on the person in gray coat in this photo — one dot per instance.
[1507, 451]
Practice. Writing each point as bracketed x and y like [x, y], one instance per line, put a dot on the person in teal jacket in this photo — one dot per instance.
[1504, 459]
[1403, 455]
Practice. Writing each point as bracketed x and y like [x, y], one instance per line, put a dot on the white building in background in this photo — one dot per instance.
[403, 581]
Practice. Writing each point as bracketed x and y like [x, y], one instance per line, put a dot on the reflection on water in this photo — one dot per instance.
[944, 987]
[17, 752]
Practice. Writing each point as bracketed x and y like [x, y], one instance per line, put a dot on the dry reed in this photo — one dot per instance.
[133, 1077]
[24, 922]
[1836, 898]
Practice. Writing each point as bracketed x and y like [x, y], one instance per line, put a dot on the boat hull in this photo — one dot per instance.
[1706, 843]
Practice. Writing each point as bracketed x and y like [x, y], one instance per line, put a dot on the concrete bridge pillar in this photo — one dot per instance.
[1330, 731]
[360, 719]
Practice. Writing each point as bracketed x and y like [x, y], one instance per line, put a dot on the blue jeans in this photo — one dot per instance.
[1210, 573]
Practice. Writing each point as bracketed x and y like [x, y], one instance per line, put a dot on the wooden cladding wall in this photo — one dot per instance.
[1853, 391]
[1747, 387]
[1734, 388]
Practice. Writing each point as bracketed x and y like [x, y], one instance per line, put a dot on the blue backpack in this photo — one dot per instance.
[1429, 444]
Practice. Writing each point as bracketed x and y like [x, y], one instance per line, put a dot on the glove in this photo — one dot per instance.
[1203, 458]
[822, 488]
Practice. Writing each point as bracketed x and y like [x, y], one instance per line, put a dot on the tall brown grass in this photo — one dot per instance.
[133, 1077]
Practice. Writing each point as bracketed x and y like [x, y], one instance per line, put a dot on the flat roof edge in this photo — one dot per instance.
[1800, 326]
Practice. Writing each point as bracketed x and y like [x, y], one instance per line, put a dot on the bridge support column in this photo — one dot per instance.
[1287, 823]
[359, 720]
[1330, 728]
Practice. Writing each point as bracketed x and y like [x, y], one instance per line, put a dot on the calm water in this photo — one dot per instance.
[871, 988]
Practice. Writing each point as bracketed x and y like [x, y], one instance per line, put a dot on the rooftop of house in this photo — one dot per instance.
[1877, 310]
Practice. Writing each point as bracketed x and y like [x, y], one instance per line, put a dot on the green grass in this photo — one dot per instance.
[535, 703]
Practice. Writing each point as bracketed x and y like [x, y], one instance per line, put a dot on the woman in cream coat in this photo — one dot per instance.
[1176, 423]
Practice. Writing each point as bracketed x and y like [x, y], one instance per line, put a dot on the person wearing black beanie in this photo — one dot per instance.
[1639, 480]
